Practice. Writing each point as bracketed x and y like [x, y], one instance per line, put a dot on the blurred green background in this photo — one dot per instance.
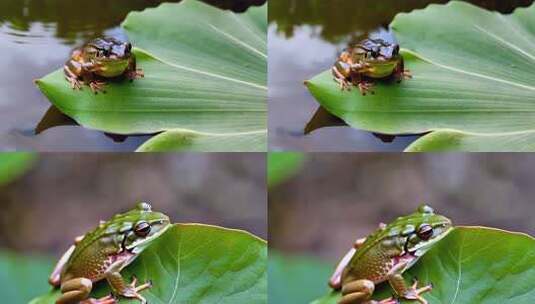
[48, 199]
[328, 200]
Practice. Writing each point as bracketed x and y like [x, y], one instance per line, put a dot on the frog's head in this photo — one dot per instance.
[109, 55]
[422, 229]
[379, 54]
[142, 225]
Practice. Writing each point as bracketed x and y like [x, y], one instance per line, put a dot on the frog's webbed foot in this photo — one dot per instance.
[343, 84]
[406, 74]
[135, 74]
[132, 291]
[366, 87]
[97, 86]
[403, 75]
[414, 293]
[75, 83]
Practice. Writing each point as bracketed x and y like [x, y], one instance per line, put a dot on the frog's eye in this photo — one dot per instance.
[142, 229]
[425, 232]
[128, 47]
[103, 53]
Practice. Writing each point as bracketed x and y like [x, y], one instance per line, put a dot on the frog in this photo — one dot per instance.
[363, 63]
[103, 252]
[386, 254]
[100, 60]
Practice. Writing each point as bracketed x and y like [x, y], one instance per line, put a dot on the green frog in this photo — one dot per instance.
[103, 252]
[367, 61]
[386, 254]
[99, 60]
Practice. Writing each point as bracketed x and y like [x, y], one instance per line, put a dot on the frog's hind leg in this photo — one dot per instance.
[357, 292]
[74, 291]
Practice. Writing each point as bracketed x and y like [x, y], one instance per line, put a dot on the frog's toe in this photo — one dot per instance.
[366, 87]
[391, 300]
[135, 74]
[109, 299]
[97, 86]
[75, 84]
[414, 293]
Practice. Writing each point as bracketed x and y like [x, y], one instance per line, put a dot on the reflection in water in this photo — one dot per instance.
[36, 37]
[305, 37]
[71, 21]
[338, 19]
[82, 20]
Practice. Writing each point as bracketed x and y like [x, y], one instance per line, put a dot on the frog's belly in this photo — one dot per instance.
[378, 74]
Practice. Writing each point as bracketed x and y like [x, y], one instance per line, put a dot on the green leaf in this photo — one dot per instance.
[451, 140]
[296, 279]
[474, 75]
[205, 71]
[23, 277]
[473, 265]
[282, 166]
[14, 164]
[193, 263]
[183, 140]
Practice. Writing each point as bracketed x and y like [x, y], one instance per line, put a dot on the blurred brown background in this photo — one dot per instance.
[338, 197]
[65, 195]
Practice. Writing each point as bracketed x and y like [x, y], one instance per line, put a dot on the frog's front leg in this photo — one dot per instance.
[363, 85]
[72, 71]
[341, 72]
[132, 71]
[400, 73]
[401, 288]
[89, 76]
[119, 285]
